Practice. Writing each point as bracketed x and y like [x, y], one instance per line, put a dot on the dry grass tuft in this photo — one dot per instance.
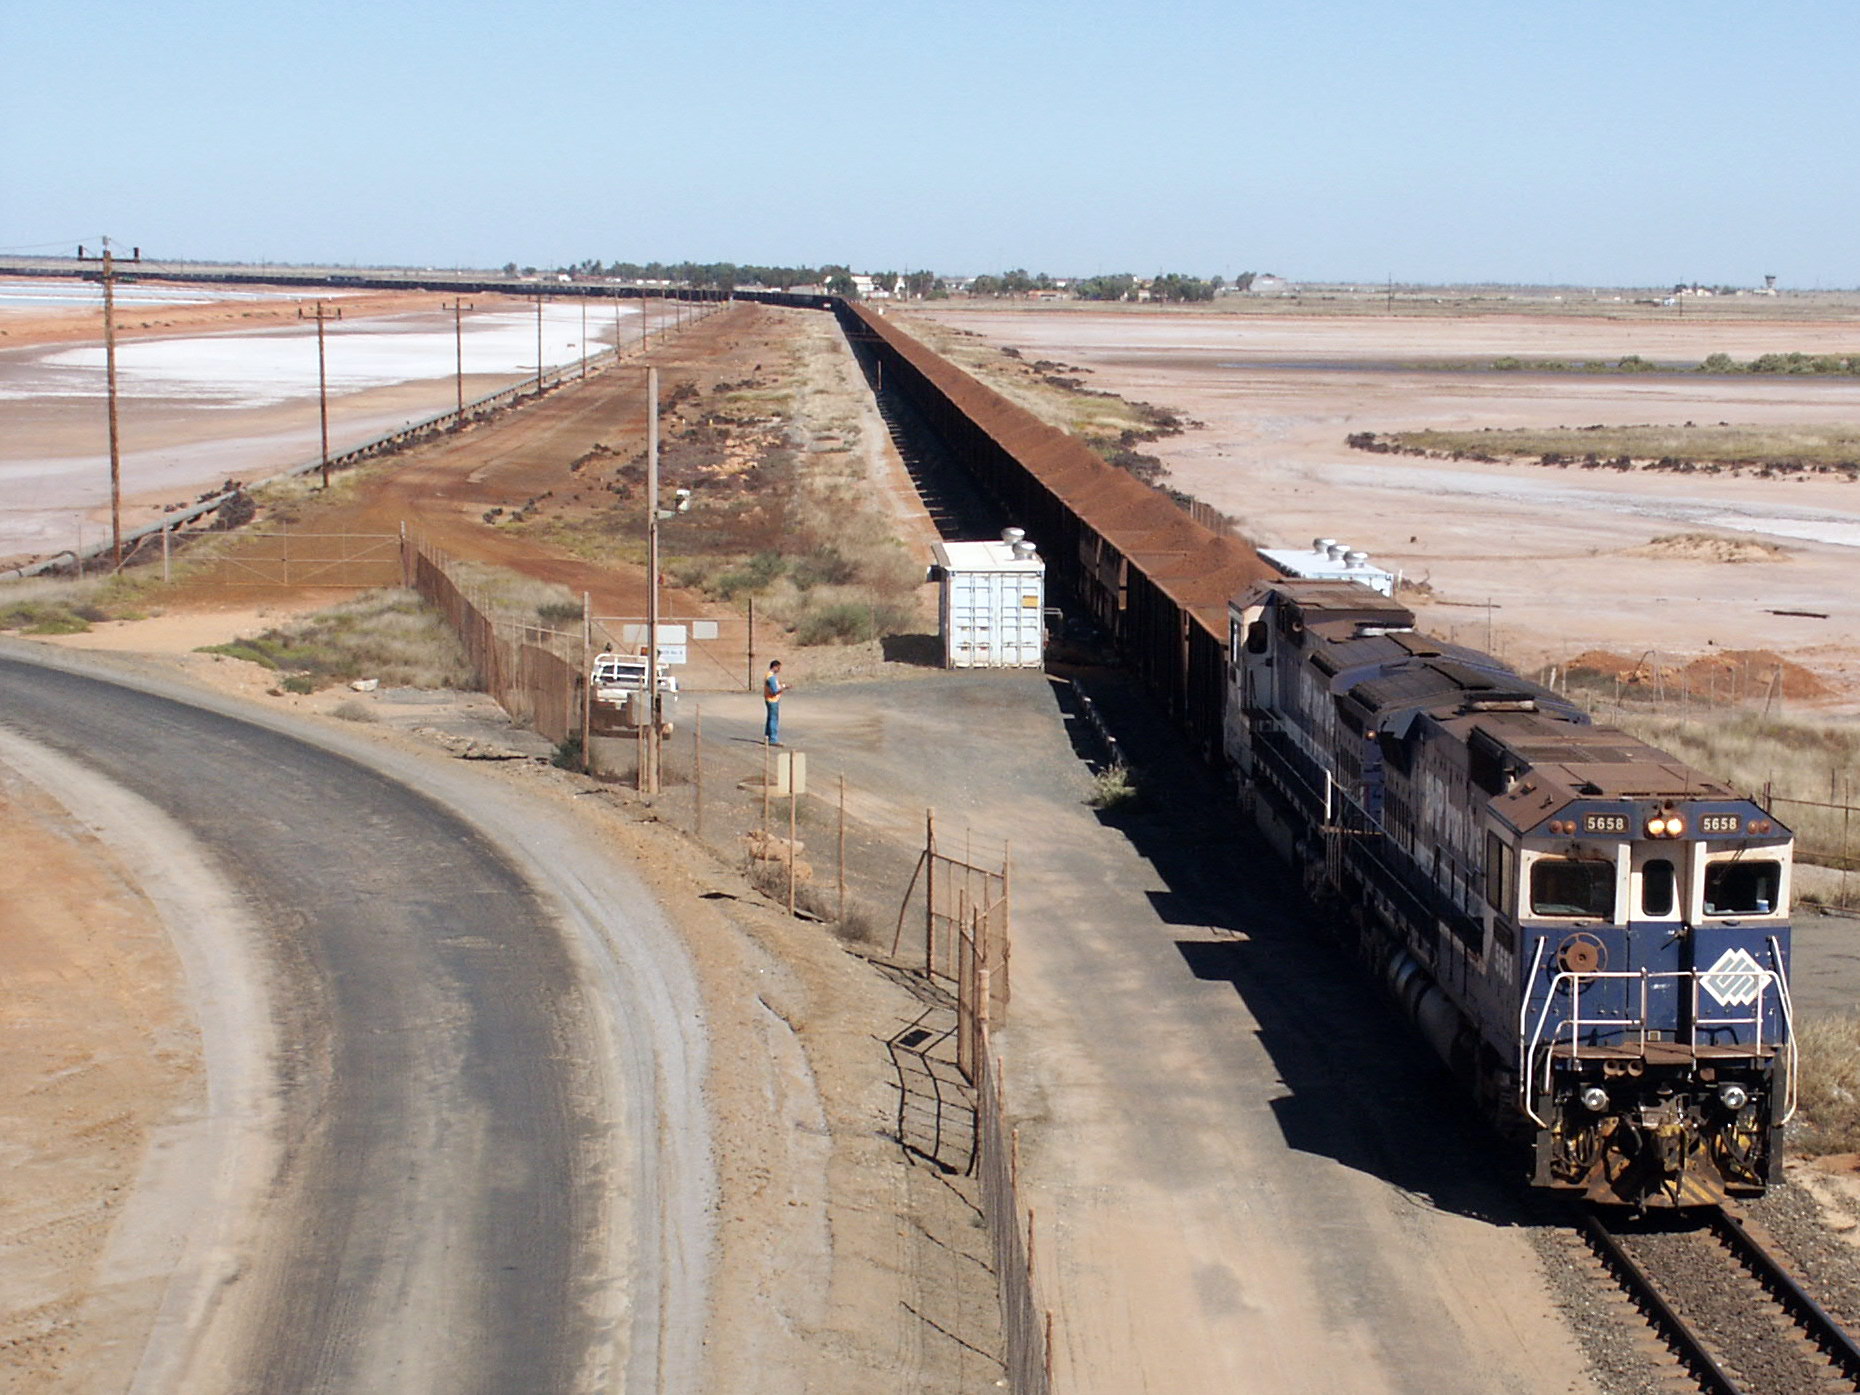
[512, 595]
[1829, 1121]
[390, 635]
[1795, 758]
[54, 606]
[1113, 788]
[1712, 547]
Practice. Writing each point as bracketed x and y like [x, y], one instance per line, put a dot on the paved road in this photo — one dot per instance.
[441, 1214]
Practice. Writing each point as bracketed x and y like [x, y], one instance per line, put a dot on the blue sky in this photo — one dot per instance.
[1567, 141]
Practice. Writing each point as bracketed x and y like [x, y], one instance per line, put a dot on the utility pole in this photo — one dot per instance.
[652, 580]
[584, 334]
[458, 309]
[539, 343]
[109, 375]
[322, 375]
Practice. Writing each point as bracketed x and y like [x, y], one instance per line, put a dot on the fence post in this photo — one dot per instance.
[930, 893]
[1006, 938]
[840, 862]
[697, 771]
[768, 779]
[749, 671]
[792, 859]
[587, 684]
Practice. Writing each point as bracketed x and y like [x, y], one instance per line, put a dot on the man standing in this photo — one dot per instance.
[772, 689]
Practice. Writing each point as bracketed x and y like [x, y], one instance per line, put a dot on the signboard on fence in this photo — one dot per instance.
[674, 640]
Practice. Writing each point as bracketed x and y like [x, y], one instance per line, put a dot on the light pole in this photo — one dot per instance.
[539, 343]
[652, 580]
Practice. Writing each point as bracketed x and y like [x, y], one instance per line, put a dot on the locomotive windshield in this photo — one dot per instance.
[1571, 886]
[1656, 888]
[1742, 888]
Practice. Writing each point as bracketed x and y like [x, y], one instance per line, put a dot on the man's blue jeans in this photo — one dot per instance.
[772, 728]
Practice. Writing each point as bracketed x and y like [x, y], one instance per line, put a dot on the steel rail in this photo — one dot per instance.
[1673, 1329]
[1827, 1334]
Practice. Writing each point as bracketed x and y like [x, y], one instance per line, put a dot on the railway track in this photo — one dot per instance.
[1736, 1321]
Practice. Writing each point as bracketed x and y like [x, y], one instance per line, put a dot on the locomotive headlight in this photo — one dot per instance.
[1674, 825]
[1733, 1096]
[1595, 1099]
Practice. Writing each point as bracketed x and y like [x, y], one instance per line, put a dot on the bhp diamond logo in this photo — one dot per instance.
[1736, 979]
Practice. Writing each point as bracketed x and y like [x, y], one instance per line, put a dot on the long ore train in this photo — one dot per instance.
[1592, 934]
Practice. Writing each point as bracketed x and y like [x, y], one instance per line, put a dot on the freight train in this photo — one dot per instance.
[1594, 936]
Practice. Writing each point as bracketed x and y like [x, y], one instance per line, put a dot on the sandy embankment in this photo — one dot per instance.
[100, 1051]
[1556, 554]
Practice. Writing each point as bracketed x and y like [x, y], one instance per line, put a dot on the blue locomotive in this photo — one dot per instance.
[1591, 933]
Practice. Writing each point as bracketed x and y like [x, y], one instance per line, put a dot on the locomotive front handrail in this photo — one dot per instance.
[1543, 1039]
[1790, 1097]
[1524, 1049]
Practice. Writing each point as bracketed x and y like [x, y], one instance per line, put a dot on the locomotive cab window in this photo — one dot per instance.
[1258, 637]
[1500, 874]
[1742, 888]
[1569, 886]
[1657, 887]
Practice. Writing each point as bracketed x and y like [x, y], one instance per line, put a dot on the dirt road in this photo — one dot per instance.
[480, 1157]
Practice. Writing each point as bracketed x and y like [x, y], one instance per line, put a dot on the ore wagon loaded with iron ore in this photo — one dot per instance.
[1593, 934]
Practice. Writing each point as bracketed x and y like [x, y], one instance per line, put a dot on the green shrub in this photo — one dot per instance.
[824, 566]
[757, 574]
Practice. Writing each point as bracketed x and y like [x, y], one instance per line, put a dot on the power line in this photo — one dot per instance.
[39, 246]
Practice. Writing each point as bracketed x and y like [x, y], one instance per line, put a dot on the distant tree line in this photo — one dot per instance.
[1016, 282]
[921, 285]
[1171, 286]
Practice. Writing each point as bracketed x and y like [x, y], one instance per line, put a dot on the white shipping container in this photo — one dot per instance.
[992, 603]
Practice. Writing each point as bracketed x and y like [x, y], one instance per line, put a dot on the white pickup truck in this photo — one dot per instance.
[619, 680]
